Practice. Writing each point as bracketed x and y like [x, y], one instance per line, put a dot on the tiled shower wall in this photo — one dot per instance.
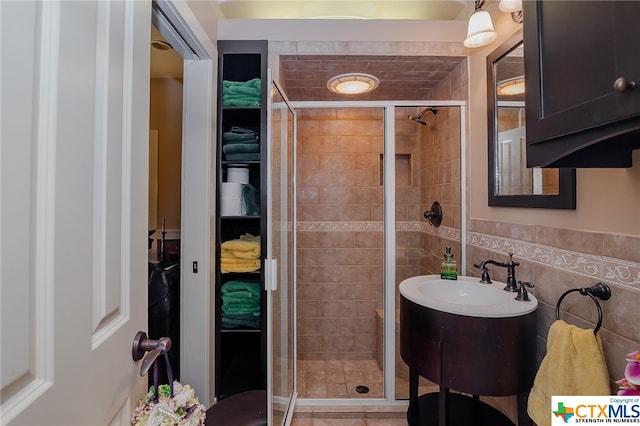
[435, 152]
[556, 260]
[340, 243]
[340, 218]
[339, 235]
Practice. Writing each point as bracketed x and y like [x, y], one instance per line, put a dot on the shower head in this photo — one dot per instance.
[418, 118]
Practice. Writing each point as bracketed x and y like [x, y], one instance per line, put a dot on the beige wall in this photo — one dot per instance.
[166, 116]
[608, 200]
[559, 249]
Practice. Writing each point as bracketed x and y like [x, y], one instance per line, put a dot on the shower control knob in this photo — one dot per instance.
[621, 85]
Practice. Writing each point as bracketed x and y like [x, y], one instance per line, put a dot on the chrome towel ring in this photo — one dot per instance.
[599, 290]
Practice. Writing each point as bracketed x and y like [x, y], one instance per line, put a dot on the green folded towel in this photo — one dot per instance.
[240, 297]
[240, 142]
[254, 82]
[238, 136]
[240, 320]
[251, 199]
[240, 316]
[244, 130]
[252, 286]
[240, 100]
[241, 148]
[243, 157]
[235, 309]
[237, 323]
[242, 91]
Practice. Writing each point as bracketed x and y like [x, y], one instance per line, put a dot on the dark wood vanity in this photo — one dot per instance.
[472, 355]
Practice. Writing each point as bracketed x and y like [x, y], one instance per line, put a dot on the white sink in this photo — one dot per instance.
[465, 296]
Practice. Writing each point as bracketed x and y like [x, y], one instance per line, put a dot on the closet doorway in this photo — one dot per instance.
[165, 170]
[191, 190]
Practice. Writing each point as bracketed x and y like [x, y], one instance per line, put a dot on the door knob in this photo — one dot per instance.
[621, 85]
[152, 348]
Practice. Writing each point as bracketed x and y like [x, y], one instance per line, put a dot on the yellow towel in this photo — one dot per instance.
[574, 365]
[239, 265]
[240, 249]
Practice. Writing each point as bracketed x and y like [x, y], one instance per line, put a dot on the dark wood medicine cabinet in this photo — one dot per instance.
[582, 67]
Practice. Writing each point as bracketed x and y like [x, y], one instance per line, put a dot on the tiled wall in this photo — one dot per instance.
[340, 239]
[340, 218]
[556, 260]
[340, 215]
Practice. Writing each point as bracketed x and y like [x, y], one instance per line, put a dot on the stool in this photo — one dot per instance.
[244, 409]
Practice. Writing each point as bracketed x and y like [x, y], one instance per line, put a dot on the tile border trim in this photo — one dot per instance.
[378, 226]
[612, 270]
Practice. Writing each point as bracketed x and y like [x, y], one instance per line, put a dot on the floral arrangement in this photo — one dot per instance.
[181, 409]
[630, 383]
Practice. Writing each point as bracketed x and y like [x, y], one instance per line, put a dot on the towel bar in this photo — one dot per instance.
[599, 290]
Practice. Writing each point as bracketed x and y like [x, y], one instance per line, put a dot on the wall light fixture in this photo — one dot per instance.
[480, 31]
[514, 7]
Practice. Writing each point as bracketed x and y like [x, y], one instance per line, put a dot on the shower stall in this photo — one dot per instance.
[366, 173]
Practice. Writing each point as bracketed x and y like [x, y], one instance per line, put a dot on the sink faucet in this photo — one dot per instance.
[512, 284]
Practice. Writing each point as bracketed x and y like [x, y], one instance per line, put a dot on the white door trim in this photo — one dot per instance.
[198, 187]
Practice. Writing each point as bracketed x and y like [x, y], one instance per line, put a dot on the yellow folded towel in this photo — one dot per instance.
[239, 265]
[240, 249]
[574, 365]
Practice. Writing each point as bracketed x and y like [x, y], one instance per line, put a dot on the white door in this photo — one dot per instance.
[73, 209]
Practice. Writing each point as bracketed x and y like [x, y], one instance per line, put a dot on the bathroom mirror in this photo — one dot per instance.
[511, 183]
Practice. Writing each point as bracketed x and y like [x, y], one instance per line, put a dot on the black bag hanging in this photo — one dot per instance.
[164, 309]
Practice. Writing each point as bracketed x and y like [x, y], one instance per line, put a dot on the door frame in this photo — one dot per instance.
[180, 26]
[389, 326]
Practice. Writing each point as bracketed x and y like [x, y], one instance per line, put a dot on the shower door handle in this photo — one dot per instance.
[271, 274]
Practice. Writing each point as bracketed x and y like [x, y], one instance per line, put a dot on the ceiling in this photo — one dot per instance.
[305, 76]
[401, 77]
[346, 9]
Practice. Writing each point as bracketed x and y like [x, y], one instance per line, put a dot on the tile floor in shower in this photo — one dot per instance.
[339, 379]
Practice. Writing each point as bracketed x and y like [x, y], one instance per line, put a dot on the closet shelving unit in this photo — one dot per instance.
[240, 353]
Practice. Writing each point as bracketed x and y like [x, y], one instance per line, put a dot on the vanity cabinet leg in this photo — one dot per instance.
[413, 412]
[523, 417]
[413, 386]
[443, 405]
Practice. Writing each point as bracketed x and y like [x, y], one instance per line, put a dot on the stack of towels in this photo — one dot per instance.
[241, 304]
[241, 93]
[240, 255]
[240, 144]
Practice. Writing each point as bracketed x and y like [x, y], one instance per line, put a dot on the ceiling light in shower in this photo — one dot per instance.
[511, 86]
[352, 83]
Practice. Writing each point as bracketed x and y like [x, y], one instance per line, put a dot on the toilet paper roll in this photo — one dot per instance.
[238, 174]
[231, 199]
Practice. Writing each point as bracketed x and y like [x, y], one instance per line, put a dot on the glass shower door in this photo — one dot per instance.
[281, 260]
[427, 169]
